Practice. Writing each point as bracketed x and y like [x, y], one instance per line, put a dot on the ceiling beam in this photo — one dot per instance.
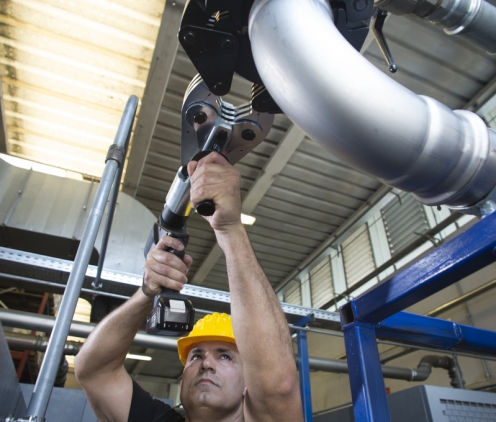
[482, 96]
[4, 139]
[156, 84]
[274, 165]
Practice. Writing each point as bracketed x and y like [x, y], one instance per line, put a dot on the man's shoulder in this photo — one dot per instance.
[144, 408]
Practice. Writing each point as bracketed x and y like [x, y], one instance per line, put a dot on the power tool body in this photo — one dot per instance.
[207, 124]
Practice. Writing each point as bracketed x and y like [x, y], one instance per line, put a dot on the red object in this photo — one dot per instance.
[25, 354]
[388, 390]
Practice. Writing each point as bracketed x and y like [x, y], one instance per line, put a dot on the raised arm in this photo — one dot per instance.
[99, 366]
[260, 327]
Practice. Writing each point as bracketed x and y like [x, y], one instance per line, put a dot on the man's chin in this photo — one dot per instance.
[206, 397]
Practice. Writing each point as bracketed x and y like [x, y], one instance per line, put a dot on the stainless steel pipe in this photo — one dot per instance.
[473, 20]
[364, 117]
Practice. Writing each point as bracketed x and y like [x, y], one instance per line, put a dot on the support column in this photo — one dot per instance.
[367, 384]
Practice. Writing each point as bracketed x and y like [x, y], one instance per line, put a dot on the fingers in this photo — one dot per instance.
[164, 269]
[213, 178]
[166, 242]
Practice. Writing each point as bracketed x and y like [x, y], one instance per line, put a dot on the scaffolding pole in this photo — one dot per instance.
[115, 159]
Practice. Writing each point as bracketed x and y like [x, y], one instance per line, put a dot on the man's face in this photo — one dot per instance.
[213, 377]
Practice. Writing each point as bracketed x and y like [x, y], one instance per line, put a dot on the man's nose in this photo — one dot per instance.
[208, 363]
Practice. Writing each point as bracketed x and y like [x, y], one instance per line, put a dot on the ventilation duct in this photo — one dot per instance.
[362, 116]
[46, 214]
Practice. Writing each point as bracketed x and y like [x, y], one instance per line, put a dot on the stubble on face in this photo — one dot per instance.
[213, 378]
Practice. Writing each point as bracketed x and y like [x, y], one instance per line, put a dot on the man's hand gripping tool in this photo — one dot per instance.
[207, 124]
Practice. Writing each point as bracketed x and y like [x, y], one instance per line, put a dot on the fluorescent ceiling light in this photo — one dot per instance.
[138, 357]
[247, 219]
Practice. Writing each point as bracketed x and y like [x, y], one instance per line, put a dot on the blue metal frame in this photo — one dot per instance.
[376, 313]
[421, 330]
[304, 367]
[364, 368]
[456, 259]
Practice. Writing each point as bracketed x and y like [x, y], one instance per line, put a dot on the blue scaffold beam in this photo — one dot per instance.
[304, 367]
[456, 259]
[367, 384]
[422, 330]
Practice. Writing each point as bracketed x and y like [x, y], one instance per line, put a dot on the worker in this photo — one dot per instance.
[248, 374]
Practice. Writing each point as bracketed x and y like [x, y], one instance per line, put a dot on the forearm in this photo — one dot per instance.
[105, 349]
[260, 326]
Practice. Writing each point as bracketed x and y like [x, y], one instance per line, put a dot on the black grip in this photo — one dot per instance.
[179, 254]
[206, 208]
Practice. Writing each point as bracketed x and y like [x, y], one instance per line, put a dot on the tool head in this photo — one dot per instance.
[204, 111]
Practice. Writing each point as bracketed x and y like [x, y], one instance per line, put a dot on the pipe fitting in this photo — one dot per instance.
[472, 19]
[444, 362]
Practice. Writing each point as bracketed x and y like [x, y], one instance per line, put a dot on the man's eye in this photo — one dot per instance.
[224, 356]
[195, 357]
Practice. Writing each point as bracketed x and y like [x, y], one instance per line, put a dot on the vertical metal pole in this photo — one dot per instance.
[46, 377]
[367, 384]
[304, 369]
[459, 375]
[110, 217]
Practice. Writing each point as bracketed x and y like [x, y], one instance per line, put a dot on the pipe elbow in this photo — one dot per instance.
[363, 116]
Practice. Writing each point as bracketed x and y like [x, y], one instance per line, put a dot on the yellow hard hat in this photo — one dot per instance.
[214, 327]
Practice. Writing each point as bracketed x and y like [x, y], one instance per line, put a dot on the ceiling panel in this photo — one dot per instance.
[67, 70]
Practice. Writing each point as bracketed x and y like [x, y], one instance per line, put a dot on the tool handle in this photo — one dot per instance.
[206, 208]
[179, 254]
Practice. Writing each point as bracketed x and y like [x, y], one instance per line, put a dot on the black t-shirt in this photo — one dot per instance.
[146, 409]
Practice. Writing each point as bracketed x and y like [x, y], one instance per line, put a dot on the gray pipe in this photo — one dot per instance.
[48, 371]
[44, 323]
[444, 362]
[393, 372]
[20, 342]
[421, 373]
[362, 116]
[473, 20]
[341, 367]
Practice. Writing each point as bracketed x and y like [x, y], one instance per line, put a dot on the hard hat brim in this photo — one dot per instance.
[185, 344]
